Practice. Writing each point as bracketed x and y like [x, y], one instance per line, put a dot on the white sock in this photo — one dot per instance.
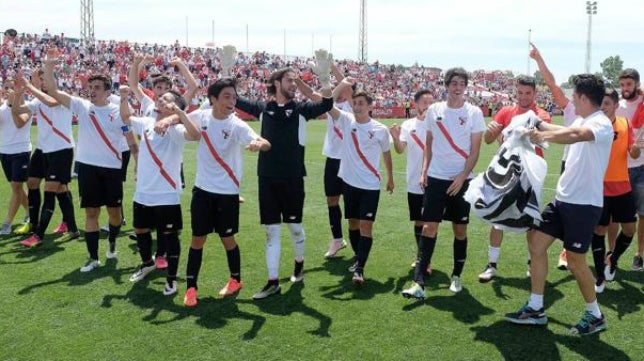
[536, 301]
[273, 250]
[493, 254]
[297, 237]
[593, 307]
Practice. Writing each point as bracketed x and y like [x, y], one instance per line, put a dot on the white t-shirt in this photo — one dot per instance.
[227, 137]
[153, 186]
[147, 107]
[333, 139]
[460, 124]
[413, 133]
[569, 116]
[98, 143]
[359, 164]
[54, 132]
[627, 110]
[13, 140]
[582, 182]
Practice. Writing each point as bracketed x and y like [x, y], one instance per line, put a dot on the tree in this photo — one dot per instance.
[611, 68]
[538, 78]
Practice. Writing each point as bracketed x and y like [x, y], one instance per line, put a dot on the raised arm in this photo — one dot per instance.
[50, 82]
[307, 91]
[254, 108]
[124, 107]
[557, 94]
[133, 75]
[19, 119]
[35, 89]
[190, 79]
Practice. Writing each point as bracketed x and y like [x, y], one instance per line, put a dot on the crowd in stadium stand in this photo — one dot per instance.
[392, 85]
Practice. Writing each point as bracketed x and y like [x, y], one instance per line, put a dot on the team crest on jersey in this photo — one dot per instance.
[462, 120]
[288, 112]
[225, 133]
[111, 117]
[371, 134]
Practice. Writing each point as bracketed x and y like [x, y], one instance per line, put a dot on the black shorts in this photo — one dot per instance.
[99, 186]
[59, 166]
[125, 161]
[621, 209]
[332, 183]
[572, 223]
[37, 165]
[15, 166]
[415, 204]
[214, 212]
[281, 200]
[360, 203]
[166, 218]
[438, 206]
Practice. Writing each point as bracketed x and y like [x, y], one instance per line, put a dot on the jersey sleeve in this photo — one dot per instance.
[312, 110]
[502, 117]
[478, 123]
[78, 105]
[245, 134]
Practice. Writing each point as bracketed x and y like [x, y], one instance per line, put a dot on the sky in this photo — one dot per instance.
[487, 35]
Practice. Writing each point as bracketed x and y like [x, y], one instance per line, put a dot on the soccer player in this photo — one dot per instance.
[619, 202]
[526, 95]
[99, 172]
[363, 142]
[453, 143]
[411, 136]
[215, 197]
[281, 169]
[577, 206]
[157, 199]
[52, 160]
[15, 148]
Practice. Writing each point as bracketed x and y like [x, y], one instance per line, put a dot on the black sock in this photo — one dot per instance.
[66, 205]
[193, 267]
[363, 250]
[33, 199]
[162, 247]
[417, 231]
[113, 233]
[234, 263]
[354, 239]
[427, 245]
[174, 251]
[297, 269]
[493, 264]
[621, 244]
[48, 205]
[599, 254]
[91, 240]
[274, 282]
[335, 221]
[460, 255]
[144, 242]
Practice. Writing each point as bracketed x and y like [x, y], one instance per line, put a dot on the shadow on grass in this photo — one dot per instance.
[291, 302]
[211, 313]
[48, 248]
[77, 278]
[517, 342]
[523, 283]
[629, 299]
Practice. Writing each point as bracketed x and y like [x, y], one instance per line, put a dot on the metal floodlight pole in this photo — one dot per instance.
[591, 9]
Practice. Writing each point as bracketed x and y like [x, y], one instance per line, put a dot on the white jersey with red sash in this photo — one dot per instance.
[13, 140]
[414, 133]
[332, 147]
[452, 131]
[363, 143]
[219, 154]
[99, 133]
[54, 126]
[158, 180]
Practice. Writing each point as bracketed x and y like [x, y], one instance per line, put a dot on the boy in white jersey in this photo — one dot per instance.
[157, 203]
[577, 207]
[453, 141]
[411, 136]
[363, 142]
[215, 197]
[99, 171]
[15, 148]
[53, 160]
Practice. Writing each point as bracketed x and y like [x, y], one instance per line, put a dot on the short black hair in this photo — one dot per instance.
[612, 93]
[364, 94]
[420, 93]
[178, 99]
[156, 79]
[630, 73]
[591, 86]
[215, 88]
[527, 80]
[107, 81]
[277, 75]
[453, 72]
